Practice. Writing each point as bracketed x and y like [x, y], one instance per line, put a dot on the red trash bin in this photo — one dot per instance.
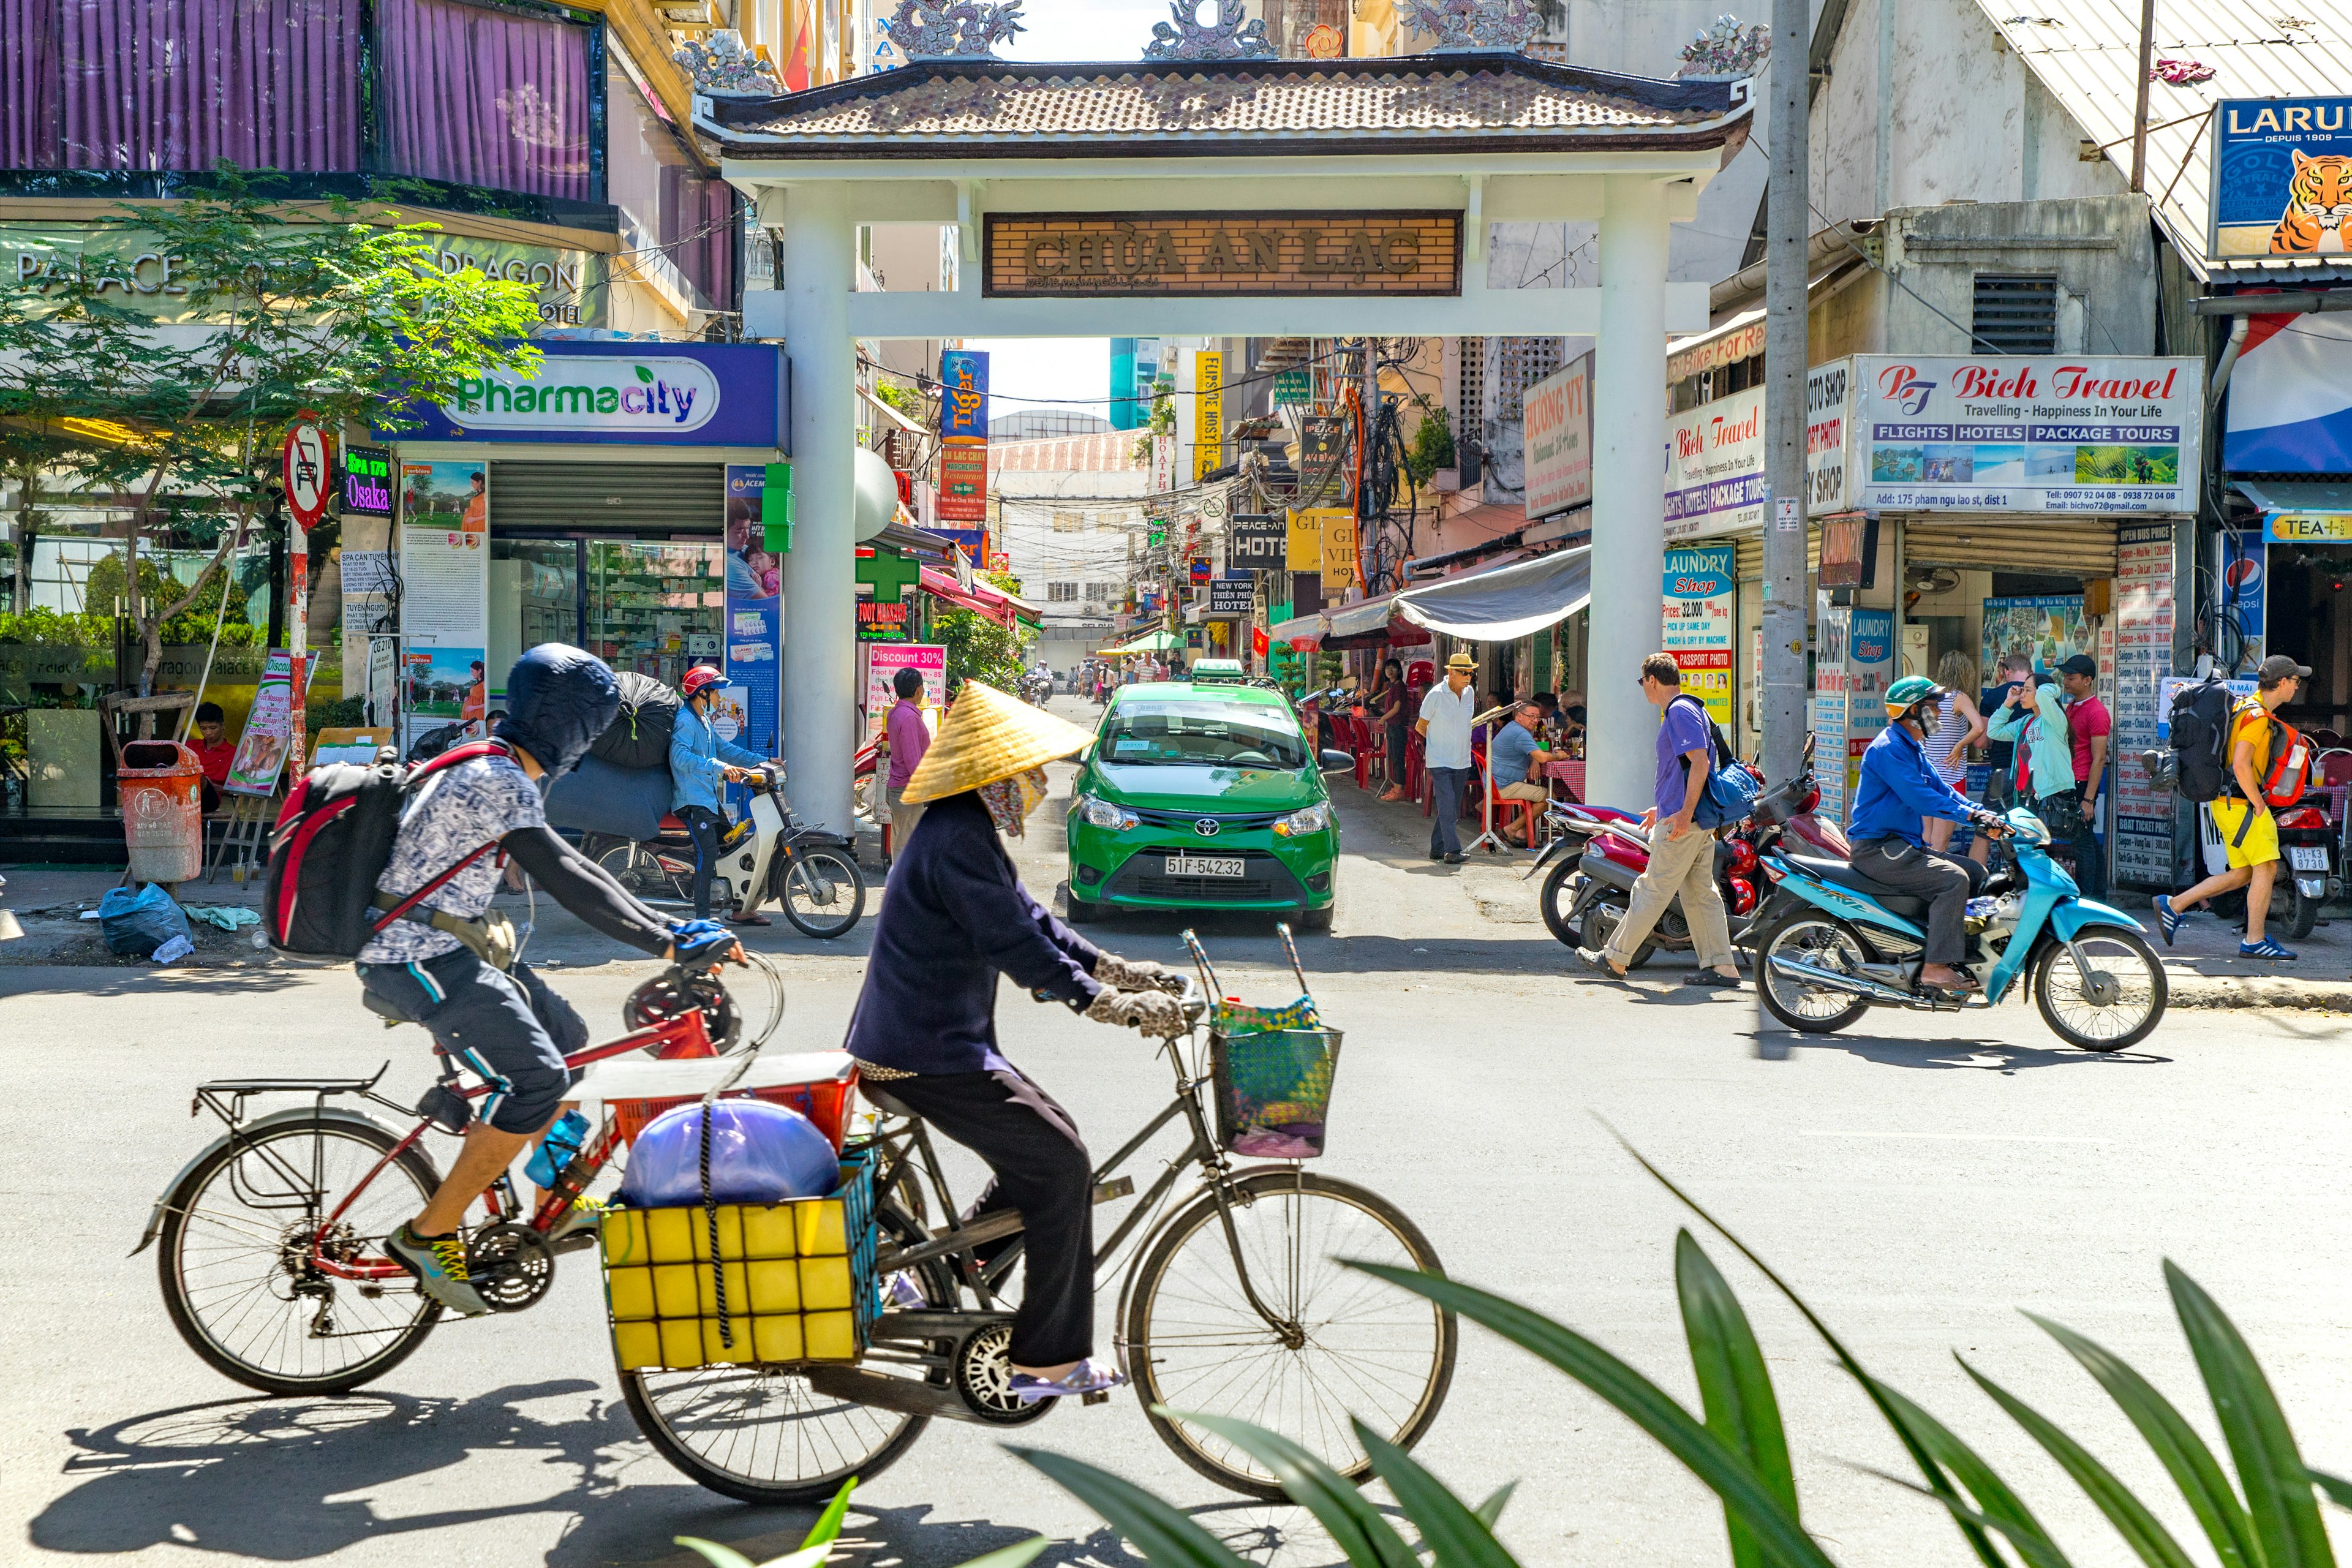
[161, 785]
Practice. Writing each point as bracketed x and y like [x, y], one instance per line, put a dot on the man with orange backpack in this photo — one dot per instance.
[2259, 770]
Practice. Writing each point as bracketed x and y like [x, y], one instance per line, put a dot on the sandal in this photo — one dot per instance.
[754, 919]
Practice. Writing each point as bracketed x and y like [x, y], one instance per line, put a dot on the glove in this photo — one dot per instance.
[698, 944]
[1153, 1011]
[1136, 974]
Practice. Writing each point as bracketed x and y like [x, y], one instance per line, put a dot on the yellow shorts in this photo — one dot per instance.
[2261, 842]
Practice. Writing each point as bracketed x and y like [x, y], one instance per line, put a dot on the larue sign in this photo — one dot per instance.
[1263, 254]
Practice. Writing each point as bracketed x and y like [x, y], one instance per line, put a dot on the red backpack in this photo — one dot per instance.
[331, 845]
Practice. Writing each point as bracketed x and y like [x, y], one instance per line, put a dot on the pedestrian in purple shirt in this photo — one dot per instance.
[909, 738]
[1681, 854]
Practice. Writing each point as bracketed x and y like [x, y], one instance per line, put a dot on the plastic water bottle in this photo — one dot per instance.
[555, 1151]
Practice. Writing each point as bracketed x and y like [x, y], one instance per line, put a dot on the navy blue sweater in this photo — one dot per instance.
[954, 917]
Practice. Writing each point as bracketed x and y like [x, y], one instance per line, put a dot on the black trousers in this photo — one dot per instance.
[1042, 1169]
[2070, 824]
[706, 824]
[1944, 880]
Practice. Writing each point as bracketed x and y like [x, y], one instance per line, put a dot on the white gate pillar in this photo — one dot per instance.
[815, 261]
[1629, 436]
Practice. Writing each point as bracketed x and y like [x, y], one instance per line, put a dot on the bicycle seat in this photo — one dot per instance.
[881, 1099]
[1839, 873]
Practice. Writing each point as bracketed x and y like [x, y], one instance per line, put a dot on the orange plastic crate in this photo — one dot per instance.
[825, 1104]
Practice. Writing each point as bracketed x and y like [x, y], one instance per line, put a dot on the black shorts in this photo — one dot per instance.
[510, 1028]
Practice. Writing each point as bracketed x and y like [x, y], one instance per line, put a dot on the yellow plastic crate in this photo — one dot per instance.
[799, 1279]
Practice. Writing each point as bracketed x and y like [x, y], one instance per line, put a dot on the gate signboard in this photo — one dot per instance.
[1242, 255]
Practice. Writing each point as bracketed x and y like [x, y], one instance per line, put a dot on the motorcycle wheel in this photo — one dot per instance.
[1600, 925]
[2292, 908]
[2077, 1013]
[1808, 937]
[821, 892]
[1553, 901]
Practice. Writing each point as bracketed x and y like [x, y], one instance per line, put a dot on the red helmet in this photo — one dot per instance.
[702, 678]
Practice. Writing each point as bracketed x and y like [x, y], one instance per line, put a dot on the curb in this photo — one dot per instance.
[2208, 991]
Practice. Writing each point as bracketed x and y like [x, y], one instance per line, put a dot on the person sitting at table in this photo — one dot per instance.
[213, 753]
[1513, 757]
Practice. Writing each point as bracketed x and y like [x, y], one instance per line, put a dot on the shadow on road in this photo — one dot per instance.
[288, 1480]
[1960, 1055]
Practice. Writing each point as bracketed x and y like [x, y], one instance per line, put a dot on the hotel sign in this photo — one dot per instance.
[1223, 255]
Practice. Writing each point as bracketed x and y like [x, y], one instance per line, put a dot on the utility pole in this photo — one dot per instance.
[1785, 697]
[2140, 110]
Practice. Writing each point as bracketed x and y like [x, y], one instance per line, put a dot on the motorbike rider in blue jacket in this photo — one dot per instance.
[1899, 789]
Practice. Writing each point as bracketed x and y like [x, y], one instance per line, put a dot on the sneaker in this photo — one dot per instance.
[440, 1265]
[2167, 921]
[904, 1293]
[1085, 1379]
[2267, 948]
[584, 1215]
[1455, 858]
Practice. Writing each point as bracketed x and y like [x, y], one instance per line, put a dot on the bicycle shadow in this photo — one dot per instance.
[287, 1480]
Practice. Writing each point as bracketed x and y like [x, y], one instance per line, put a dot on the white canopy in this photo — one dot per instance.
[1507, 603]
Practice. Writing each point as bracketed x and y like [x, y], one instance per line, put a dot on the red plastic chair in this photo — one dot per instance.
[1360, 734]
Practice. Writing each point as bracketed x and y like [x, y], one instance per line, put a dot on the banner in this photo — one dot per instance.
[2144, 625]
[1340, 573]
[1256, 541]
[2290, 404]
[1232, 595]
[1304, 552]
[1827, 397]
[963, 395]
[883, 663]
[1699, 587]
[1208, 412]
[2048, 628]
[2245, 597]
[963, 484]
[1714, 467]
[2278, 167]
[444, 594]
[1559, 440]
[272, 727]
[752, 642]
[2092, 434]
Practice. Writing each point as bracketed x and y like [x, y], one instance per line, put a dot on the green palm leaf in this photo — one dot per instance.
[829, 1523]
[2130, 1517]
[1368, 1540]
[2032, 1544]
[1017, 1556]
[1708, 1457]
[1456, 1537]
[1994, 1501]
[1163, 1535]
[2278, 1488]
[2191, 1464]
[1491, 1510]
[1877, 1392]
[1734, 1387]
[2335, 1488]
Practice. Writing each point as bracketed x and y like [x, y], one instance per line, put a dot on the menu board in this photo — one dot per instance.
[2143, 658]
[444, 594]
[270, 728]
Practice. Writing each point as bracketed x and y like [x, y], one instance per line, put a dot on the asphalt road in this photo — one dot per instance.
[1918, 1183]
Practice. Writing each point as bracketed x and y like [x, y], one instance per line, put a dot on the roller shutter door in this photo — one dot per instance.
[659, 498]
[1749, 561]
[2063, 548]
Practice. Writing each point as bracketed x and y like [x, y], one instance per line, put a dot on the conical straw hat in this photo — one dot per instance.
[985, 737]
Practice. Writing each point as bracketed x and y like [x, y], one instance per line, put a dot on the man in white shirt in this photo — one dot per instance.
[1444, 728]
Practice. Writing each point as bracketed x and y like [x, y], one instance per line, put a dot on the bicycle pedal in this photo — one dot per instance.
[1101, 1398]
[578, 1241]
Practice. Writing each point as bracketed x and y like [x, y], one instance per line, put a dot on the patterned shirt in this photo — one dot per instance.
[456, 812]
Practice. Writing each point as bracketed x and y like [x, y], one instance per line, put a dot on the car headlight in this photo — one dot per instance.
[1306, 820]
[1103, 814]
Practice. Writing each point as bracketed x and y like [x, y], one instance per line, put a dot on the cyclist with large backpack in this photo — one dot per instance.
[447, 962]
[2241, 812]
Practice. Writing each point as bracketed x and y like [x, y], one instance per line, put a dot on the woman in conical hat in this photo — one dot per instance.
[954, 917]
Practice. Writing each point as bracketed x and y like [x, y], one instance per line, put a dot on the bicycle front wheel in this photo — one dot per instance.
[238, 1256]
[1348, 1344]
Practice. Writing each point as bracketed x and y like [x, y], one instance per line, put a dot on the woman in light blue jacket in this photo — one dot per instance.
[2050, 751]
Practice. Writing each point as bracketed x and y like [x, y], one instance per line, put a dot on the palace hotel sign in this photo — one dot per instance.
[1223, 255]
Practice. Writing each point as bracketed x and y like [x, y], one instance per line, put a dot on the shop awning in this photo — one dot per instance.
[1309, 629]
[1374, 623]
[1160, 641]
[1506, 602]
[995, 603]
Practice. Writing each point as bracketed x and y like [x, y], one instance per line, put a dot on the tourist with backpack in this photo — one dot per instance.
[2259, 749]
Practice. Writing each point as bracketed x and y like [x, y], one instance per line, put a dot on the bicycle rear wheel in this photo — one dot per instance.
[640, 870]
[235, 1256]
[1351, 1344]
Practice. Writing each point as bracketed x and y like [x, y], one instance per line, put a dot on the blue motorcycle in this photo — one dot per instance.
[1834, 944]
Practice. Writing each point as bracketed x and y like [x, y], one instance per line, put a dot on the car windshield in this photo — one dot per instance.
[1197, 729]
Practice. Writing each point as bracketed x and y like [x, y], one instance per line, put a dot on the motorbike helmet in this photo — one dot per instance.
[1908, 693]
[702, 678]
[559, 700]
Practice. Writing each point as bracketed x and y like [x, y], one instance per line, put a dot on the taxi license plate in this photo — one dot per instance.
[2307, 857]
[1204, 866]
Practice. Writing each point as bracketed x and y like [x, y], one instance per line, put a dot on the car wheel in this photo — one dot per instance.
[1315, 920]
[1083, 912]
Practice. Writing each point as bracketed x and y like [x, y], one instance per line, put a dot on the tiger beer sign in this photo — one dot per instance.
[2281, 177]
[1223, 255]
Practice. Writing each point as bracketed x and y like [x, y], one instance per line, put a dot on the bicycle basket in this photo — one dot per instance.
[1273, 1085]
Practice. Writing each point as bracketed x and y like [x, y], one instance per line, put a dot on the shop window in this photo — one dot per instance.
[482, 97]
[2016, 313]
[135, 85]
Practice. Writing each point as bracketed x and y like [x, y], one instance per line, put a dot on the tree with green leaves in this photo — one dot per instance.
[340, 315]
[980, 648]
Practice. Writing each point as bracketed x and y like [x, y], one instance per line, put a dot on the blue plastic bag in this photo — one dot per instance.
[759, 1153]
[597, 797]
[138, 923]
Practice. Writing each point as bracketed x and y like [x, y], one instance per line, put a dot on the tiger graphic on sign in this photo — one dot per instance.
[2319, 200]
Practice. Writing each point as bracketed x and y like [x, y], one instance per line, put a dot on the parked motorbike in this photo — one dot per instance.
[2308, 844]
[770, 854]
[1836, 944]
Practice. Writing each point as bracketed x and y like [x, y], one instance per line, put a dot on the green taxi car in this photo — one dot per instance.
[1203, 794]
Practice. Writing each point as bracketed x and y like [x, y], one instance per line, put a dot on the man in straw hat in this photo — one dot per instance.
[956, 917]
